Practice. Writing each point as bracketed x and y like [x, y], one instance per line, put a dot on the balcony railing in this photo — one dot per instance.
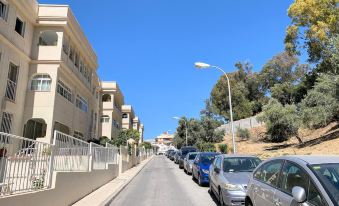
[11, 90]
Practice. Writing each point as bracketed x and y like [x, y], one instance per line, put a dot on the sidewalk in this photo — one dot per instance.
[105, 194]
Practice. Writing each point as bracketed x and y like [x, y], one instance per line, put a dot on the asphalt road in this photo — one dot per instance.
[161, 182]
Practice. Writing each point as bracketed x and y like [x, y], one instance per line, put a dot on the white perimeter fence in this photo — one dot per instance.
[27, 165]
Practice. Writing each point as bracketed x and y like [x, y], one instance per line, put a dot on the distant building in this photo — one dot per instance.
[165, 138]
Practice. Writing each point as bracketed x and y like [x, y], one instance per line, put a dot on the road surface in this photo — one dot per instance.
[161, 182]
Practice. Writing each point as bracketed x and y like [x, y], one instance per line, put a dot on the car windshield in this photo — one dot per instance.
[328, 174]
[192, 156]
[207, 158]
[240, 164]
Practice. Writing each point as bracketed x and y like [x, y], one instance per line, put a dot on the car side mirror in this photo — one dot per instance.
[299, 194]
[217, 170]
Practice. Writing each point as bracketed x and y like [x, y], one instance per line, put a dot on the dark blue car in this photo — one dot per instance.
[201, 165]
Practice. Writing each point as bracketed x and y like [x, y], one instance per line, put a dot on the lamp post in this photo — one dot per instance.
[177, 118]
[201, 65]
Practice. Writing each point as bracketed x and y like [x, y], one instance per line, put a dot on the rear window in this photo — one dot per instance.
[192, 156]
[186, 151]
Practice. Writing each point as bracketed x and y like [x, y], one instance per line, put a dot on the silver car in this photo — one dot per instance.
[188, 162]
[229, 175]
[295, 180]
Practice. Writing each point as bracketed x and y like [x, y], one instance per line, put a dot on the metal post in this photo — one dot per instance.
[230, 105]
[51, 161]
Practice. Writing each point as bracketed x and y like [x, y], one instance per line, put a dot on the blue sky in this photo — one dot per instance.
[149, 47]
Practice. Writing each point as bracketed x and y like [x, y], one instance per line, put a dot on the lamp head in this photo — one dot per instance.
[201, 65]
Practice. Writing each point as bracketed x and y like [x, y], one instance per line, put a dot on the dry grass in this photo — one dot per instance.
[321, 141]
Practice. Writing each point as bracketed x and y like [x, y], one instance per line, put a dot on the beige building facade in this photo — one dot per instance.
[48, 77]
[111, 115]
[48, 72]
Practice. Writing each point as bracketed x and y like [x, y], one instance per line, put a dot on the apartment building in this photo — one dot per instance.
[111, 116]
[48, 78]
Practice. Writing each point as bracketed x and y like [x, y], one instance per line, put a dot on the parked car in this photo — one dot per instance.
[188, 162]
[182, 154]
[168, 152]
[229, 175]
[171, 155]
[176, 157]
[295, 180]
[201, 165]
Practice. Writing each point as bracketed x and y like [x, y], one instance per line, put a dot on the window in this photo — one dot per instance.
[64, 91]
[12, 81]
[76, 59]
[65, 46]
[218, 163]
[3, 10]
[292, 176]
[81, 103]
[269, 173]
[20, 26]
[240, 164]
[78, 135]
[48, 38]
[106, 98]
[41, 82]
[124, 116]
[314, 197]
[6, 123]
[71, 54]
[104, 118]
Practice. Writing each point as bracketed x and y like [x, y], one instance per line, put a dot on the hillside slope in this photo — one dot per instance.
[321, 141]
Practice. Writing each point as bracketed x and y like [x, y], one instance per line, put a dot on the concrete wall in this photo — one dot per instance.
[67, 188]
[247, 123]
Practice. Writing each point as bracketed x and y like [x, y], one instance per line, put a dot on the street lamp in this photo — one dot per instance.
[177, 118]
[201, 65]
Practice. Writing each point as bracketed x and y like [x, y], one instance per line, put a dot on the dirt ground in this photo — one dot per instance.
[316, 142]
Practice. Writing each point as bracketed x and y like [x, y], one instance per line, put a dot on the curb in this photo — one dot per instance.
[110, 199]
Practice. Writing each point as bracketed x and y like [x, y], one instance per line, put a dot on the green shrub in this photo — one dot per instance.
[243, 133]
[223, 148]
[282, 122]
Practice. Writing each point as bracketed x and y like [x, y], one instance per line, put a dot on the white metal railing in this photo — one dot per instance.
[70, 153]
[99, 156]
[24, 164]
[27, 165]
[11, 89]
[112, 154]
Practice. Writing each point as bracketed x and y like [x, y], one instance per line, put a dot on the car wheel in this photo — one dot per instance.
[221, 200]
[248, 202]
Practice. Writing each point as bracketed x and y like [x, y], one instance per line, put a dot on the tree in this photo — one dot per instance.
[282, 122]
[280, 69]
[314, 22]
[210, 134]
[147, 145]
[202, 131]
[125, 135]
[246, 89]
[283, 92]
[321, 106]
